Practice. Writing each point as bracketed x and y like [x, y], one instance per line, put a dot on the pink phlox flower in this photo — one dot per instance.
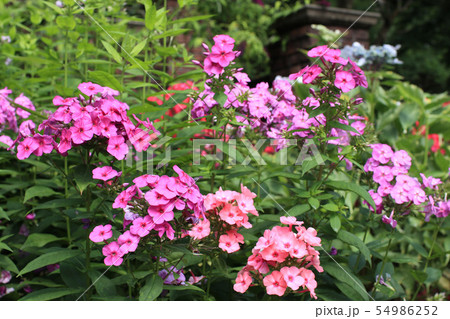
[318, 51]
[27, 128]
[82, 130]
[401, 158]
[89, 88]
[389, 220]
[65, 142]
[311, 73]
[359, 126]
[382, 174]
[176, 185]
[25, 102]
[104, 173]
[26, 147]
[224, 41]
[430, 182]
[382, 153]
[79, 112]
[417, 195]
[101, 233]
[113, 254]
[165, 228]
[161, 214]
[117, 147]
[128, 242]
[344, 81]
[63, 114]
[109, 92]
[142, 226]
[221, 56]
[334, 56]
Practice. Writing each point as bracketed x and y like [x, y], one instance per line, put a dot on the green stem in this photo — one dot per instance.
[88, 242]
[425, 156]
[428, 257]
[384, 260]
[65, 60]
[28, 110]
[364, 238]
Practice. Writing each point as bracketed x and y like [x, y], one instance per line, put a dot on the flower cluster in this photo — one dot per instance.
[376, 56]
[150, 204]
[281, 259]
[9, 114]
[276, 112]
[395, 187]
[226, 212]
[101, 120]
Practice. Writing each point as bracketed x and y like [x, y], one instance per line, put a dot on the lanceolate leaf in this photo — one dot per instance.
[48, 259]
[349, 186]
[353, 240]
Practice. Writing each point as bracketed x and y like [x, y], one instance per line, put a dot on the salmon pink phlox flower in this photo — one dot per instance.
[275, 283]
[243, 281]
[292, 277]
[200, 230]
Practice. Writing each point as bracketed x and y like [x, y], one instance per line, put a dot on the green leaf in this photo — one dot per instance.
[186, 287]
[335, 222]
[349, 186]
[50, 294]
[299, 209]
[115, 55]
[344, 274]
[38, 191]
[83, 176]
[138, 48]
[150, 15]
[7, 264]
[343, 127]
[39, 240]
[314, 202]
[170, 33]
[66, 22]
[152, 289]
[3, 214]
[48, 259]
[190, 19]
[308, 165]
[419, 275]
[433, 275]
[349, 290]
[353, 240]
[4, 246]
